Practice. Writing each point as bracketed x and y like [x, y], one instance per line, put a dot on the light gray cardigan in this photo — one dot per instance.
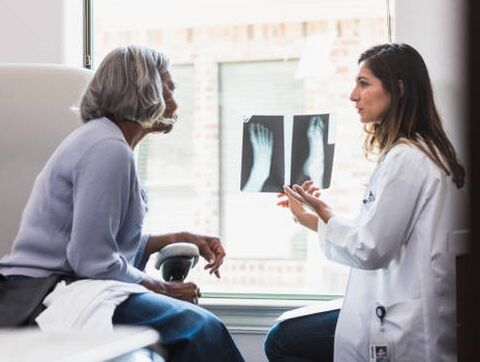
[85, 212]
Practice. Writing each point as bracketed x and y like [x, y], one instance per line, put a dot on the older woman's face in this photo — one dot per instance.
[170, 103]
[168, 96]
[371, 99]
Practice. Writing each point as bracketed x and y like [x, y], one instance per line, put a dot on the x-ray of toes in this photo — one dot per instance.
[262, 154]
[312, 155]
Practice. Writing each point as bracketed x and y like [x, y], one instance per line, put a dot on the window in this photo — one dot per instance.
[166, 165]
[237, 58]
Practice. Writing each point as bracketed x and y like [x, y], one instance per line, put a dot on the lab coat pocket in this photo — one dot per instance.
[400, 327]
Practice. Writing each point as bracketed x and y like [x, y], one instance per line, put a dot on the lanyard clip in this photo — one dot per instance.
[369, 198]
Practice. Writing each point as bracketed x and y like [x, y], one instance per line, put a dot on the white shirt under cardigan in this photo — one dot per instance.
[400, 260]
[85, 212]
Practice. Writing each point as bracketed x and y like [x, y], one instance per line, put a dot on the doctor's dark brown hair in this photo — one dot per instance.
[412, 116]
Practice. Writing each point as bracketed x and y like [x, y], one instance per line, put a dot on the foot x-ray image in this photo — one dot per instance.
[312, 155]
[262, 154]
[264, 158]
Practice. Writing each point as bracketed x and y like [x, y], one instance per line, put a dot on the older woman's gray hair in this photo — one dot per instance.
[127, 86]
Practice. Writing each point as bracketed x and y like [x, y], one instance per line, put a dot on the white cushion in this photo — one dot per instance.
[178, 249]
[36, 102]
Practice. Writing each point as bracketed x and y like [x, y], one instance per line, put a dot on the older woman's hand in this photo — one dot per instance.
[188, 292]
[210, 249]
[209, 246]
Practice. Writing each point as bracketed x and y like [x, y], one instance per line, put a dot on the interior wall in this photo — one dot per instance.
[250, 345]
[31, 31]
[469, 313]
[436, 28]
[46, 31]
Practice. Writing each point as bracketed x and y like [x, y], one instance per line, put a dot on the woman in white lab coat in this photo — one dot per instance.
[400, 299]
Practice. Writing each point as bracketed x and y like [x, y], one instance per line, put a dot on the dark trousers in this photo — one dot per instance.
[303, 339]
[187, 331]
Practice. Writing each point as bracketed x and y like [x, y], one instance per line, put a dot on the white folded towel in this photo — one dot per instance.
[85, 305]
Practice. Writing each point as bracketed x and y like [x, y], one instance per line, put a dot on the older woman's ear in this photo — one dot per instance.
[401, 87]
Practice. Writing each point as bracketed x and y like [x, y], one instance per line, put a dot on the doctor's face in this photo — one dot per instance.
[371, 99]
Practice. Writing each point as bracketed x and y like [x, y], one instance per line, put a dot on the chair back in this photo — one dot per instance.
[37, 104]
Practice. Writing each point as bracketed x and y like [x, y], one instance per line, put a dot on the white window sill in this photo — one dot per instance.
[250, 315]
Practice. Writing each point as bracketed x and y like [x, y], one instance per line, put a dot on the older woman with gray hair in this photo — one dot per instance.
[84, 215]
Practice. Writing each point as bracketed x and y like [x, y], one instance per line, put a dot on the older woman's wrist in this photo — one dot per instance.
[153, 284]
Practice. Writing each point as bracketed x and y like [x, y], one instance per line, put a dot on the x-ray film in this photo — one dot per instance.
[279, 150]
[312, 155]
[262, 154]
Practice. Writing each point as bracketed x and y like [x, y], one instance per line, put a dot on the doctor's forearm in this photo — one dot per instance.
[310, 221]
[326, 215]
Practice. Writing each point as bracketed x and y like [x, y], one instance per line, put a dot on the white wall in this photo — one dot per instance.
[41, 31]
[436, 29]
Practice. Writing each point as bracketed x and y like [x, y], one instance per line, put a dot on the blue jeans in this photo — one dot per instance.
[188, 332]
[307, 338]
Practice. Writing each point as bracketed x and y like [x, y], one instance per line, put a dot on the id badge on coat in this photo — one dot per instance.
[380, 344]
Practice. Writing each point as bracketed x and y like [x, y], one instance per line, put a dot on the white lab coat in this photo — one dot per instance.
[397, 248]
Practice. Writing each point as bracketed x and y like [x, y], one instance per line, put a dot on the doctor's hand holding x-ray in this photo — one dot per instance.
[306, 205]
